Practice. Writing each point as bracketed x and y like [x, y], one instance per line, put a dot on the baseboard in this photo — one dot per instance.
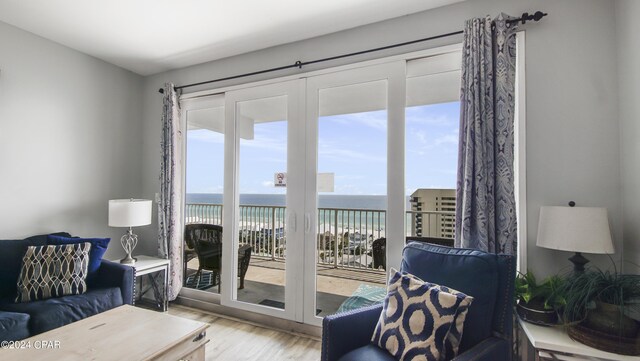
[261, 320]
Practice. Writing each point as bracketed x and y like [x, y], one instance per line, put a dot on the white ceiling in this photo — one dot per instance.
[151, 36]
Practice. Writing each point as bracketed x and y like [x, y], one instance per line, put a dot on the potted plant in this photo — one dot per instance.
[595, 292]
[539, 303]
[603, 308]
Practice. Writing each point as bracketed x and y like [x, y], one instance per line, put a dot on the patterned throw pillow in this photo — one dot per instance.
[452, 342]
[53, 271]
[98, 249]
[416, 318]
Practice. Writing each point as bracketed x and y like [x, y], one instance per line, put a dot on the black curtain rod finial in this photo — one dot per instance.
[537, 16]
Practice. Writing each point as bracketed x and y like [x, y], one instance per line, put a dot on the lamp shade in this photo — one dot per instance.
[129, 212]
[575, 229]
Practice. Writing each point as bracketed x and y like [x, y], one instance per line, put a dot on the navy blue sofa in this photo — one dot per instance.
[112, 287]
[488, 328]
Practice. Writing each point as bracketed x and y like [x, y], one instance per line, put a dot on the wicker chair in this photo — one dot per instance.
[189, 253]
[244, 257]
[206, 239]
[379, 253]
[207, 242]
[379, 248]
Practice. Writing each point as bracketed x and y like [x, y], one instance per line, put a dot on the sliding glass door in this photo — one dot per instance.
[263, 198]
[351, 116]
[314, 210]
[308, 189]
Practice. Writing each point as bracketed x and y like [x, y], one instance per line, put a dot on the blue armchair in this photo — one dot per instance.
[488, 328]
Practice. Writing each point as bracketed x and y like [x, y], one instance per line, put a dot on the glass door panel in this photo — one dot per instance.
[262, 209]
[432, 122]
[432, 142]
[204, 179]
[262, 188]
[347, 190]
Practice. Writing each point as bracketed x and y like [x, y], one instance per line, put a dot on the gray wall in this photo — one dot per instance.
[70, 138]
[572, 110]
[628, 30]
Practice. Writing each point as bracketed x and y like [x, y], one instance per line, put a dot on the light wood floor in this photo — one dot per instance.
[232, 339]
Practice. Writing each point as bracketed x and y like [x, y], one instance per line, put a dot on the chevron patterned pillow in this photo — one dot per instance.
[417, 318]
[53, 271]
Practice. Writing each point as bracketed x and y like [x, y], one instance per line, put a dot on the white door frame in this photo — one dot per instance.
[395, 75]
[294, 204]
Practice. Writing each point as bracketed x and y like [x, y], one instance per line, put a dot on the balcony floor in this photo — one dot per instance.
[265, 281]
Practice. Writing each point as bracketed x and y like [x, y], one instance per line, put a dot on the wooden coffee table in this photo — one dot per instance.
[123, 333]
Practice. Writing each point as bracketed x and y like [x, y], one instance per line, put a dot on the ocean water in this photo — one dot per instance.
[361, 216]
[324, 200]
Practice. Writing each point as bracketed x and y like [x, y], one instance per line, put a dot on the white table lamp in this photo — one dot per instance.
[575, 229]
[129, 213]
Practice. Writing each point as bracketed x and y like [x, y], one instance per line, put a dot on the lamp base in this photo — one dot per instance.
[128, 260]
[129, 242]
[578, 261]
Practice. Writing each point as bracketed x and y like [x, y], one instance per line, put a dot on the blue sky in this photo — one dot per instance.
[352, 146]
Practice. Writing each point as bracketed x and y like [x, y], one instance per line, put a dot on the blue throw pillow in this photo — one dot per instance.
[98, 248]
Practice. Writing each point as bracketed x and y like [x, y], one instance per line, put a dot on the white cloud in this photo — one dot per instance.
[446, 139]
[349, 177]
[263, 138]
[336, 151]
[271, 160]
[437, 120]
[421, 135]
[348, 155]
[265, 142]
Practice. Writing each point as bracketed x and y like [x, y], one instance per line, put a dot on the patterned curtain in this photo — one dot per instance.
[169, 218]
[485, 206]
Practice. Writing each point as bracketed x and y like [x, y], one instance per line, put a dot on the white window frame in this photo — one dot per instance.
[520, 152]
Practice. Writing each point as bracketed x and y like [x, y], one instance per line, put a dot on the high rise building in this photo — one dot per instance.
[434, 212]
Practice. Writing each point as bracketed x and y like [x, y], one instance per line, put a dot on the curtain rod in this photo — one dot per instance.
[299, 64]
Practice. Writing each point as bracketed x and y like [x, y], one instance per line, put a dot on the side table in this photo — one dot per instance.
[156, 271]
[553, 343]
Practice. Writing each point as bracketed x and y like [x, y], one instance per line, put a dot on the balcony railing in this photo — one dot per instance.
[203, 213]
[345, 236]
